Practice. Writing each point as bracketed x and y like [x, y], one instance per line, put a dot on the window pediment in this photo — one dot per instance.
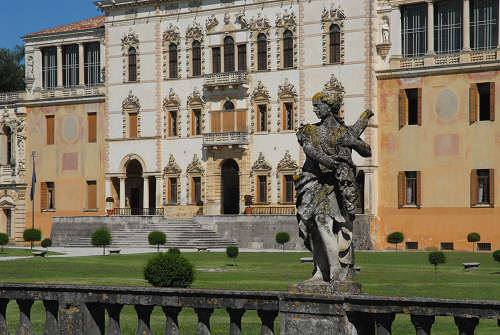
[195, 167]
[334, 85]
[172, 100]
[195, 98]
[287, 163]
[261, 165]
[260, 93]
[172, 167]
[195, 32]
[286, 21]
[286, 90]
[334, 14]
[130, 40]
[172, 34]
[131, 102]
[260, 23]
[211, 22]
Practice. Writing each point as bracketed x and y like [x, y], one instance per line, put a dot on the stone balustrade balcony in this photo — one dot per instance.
[71, 309]
[10, 97]
[226, 138]
[56, 93]
[225, 79]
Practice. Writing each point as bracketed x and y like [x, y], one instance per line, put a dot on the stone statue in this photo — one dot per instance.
[385, 30]
[327, 193]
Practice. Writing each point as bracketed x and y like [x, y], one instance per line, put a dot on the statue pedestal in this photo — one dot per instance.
[323, 317]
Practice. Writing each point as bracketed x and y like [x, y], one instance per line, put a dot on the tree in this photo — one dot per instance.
[101, 238]
[281, 238]
[11, 69]
[473, 238]
[46, 243]
[157, 238]
[395, 238]
[436, 258]
[4, 240]
[232, 252]
[496, 255]
[169, 270]
[32, 235]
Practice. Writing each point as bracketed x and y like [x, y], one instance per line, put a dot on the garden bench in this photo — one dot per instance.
[39, 253]
[306, 260]
[114, 251]
[202, 249]
[473, 265]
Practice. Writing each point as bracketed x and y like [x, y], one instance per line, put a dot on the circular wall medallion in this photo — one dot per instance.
[446, 104]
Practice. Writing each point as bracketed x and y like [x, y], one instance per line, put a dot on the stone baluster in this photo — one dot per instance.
[235, 316]
[203, 320]
[114, 311]
[422, 323]
[466, 326]
[267, 319]
[25, 327]
[363, 322]
[3, 321]
[70, 318]
[93, 319]
[172, 313]
[51, 314]
[383, 323]
[143, 319]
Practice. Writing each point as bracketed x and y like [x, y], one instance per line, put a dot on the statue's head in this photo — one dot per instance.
[327, 102]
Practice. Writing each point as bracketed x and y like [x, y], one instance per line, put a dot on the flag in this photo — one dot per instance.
[33, 182]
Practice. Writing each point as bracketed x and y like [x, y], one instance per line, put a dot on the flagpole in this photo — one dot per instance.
[33, 198]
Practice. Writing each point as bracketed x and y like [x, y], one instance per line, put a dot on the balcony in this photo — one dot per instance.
[79, 91]
[225, 139]
[10, 97]
[225, 79]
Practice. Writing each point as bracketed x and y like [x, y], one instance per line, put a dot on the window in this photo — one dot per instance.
[409, 189]
[196, 58]
[92, 63]
[172, 123]
[47, 196]
[91, 194]
[414, 30]
[8, 135]
[261, 52]
[446, 245]
[172, 61]
[49, 68]
[288, 188]
[334, 43]
[483, 24]
[228, 54]
[482, 187]
[410, 107]
[216, 60]
[262, 189]
[132, 65]
[196, 122]
[287, 49]
[482, 102]
[448, 35]
[262, 117]
[132, 125]
[49, 120]
[288, 116]
[242, 57]
[172, 190]
[411, 245]
[92, 127]
[70, 65]
[8, 221]
[195, 190]
[484, 246]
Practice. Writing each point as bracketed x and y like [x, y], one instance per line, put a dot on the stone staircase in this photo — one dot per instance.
[181, 233]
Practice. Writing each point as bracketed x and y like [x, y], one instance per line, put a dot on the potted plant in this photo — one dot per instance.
[248, 204]
[200, 209]
[109, 205]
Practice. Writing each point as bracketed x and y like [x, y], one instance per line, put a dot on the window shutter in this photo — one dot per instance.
[132, 124]
[43, 196]
[241, 121]
[419, 106]
[91, 194]
[283, 188]
[92, 130]
[492, 187]
[403, 108]
[419, 189]
[193, 122]
[215, 121]
[228, 121]
[473, 187]
[257, 195]
[401, 189]
[50, 129]
[492, 101]
[473, 103]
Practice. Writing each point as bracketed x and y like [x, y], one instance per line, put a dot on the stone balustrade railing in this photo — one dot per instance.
[81, 309]
[226, 138]
[78, 91]
[11, 96]
[466, 57]
[225, 79]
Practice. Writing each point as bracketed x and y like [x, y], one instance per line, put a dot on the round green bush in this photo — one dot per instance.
[101, 238]
[496, 255]
[46, 243]
[174, 251]
[473, 237]
[395, 238]
[169, 270]
[436, 258]
[282, 237]
[4, 240]
[232, 251]
[157, 238]
[32, 235]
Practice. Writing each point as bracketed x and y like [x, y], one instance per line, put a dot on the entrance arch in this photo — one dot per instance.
[134, 187]
[230, 187]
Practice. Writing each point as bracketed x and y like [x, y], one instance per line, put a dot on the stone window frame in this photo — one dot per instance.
[260, 168]
[260, 96]
[194, 33]
[258, 25]
[286, 94]
[131, 40]
[171, 35]
[286, 166]
[195, 101]
[223, 52]
[172, 170]
[171, 103]
[15, 121]
[284, 22]
[195, 169]
[330, 17]
[130, 104]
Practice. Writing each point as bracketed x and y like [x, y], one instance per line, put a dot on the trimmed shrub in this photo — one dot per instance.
[395, 238]
[101, 238]
[4, 240]
[473, 238]
[46, 243]
[110, 199]
[436, 258]
[32, 235]
[232, 252]
[169, 270]
[174, 251]
[282, 238]
[157, 238]
[496, 255]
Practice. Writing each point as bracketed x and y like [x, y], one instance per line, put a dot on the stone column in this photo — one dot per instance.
[466, 25]
[145, 203]
[59, 66]
[114, 311]
[81, 64]
[144, 317]
[430, 27]
[108, 187]
[51, 315]
[37, 68]
[159, 191]
[122, 192]
[396, 32]
[171, 314]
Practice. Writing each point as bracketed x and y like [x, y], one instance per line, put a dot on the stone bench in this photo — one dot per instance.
[114, 251]
[203, 249]
[306, 260]
[470, 266]
[39, 253]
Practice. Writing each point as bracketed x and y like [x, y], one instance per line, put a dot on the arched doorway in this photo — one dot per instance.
[230, 187]
[134, 185]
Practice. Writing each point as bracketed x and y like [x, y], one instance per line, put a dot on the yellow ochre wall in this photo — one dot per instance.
[445, 148]
[69, 162]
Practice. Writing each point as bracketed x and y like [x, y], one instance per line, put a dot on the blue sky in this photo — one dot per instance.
[21, 17]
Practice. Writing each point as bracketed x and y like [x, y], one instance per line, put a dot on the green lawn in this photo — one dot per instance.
[9, 252]
[383, 273]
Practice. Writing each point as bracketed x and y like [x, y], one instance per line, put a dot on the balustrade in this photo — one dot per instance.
[226, 138]
[225, 79]
[137, 211]
[81, 309]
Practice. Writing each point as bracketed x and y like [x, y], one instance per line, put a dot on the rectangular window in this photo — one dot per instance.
[482, 188]
[483, 24]
[216, 61]
[410, 107]
[92, 127]
[49, 68]
[484, 246]
[447, 246]
[262, 122]
[411, 245]
[482, 102]
[172, 190]
[262, 189]
[288, 188]
[242, 57]
[70, 66]
[409, 189]
[132, 124]
[47, 196]
[196, 190]
[196, 122]
[92, 63]
[172, 121]
[91, 194]
[448, 35]
[50, 121]
[288, 116]
[414, 30]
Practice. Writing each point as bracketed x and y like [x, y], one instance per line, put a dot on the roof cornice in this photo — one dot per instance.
[112, 4]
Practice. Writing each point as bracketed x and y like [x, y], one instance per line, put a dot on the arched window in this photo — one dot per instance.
[132, 65]
[172, 61]
[334, 44]
[287, 49]
[228, 54]
[196, 58]
[261, 52]
[228, 106]
[8, 135]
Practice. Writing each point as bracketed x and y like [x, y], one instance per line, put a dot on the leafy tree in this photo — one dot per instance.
[496, 255]
[157, 238]
[232, 252]
[11, 69]
[46, 243]
[395, 238]
[4, 240]
[32, 235]
[473, 238]
[282, 238]
[169, 270]
[436, 258]
[101, 238]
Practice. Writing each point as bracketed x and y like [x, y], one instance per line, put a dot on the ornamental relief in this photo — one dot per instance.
[172, 100]
[334, 85]
[211, 22]
[195, 167]
[287, 163]
[329, 17]
[195, 98]
[260, 94]
[260, 165]
[241, 20]
[172, 167]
